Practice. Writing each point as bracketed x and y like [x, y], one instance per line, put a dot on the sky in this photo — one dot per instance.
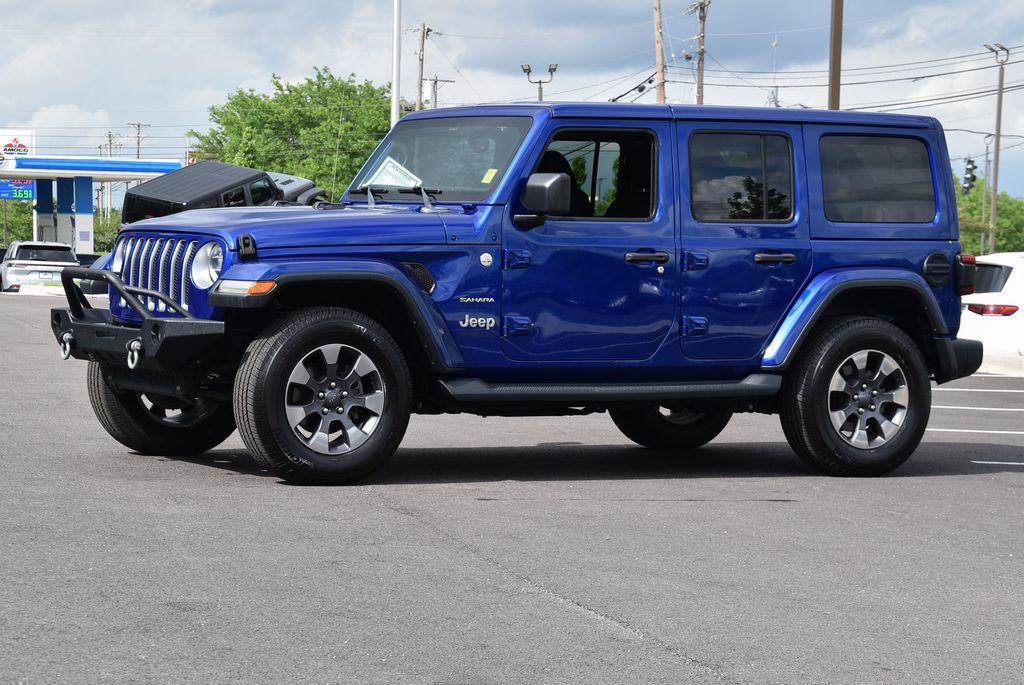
[74, 69]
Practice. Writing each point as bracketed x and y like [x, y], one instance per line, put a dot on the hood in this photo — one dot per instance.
[305, 226]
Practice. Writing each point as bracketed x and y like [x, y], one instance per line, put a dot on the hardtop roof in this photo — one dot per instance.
[621, 110]
[195, 182]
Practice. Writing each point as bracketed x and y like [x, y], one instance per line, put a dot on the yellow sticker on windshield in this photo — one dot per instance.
[489, 176]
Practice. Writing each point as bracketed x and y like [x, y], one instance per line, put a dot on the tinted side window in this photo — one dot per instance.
[876, 179]
[741, 177]
[612, 172]
[233, 198]
[261, 191]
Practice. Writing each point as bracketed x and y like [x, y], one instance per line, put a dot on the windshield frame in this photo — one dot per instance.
[393, 196]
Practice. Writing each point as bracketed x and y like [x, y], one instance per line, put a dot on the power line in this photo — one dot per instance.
[809, 28]
[444, 54]
[854, 83]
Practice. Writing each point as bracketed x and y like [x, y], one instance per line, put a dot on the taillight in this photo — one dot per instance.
[20, 265]
[993, 309]
[966, 274]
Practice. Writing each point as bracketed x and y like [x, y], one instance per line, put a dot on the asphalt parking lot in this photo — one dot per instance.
[504, 550]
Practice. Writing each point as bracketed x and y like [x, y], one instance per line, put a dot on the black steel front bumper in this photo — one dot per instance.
[159, 343]
[956, 358]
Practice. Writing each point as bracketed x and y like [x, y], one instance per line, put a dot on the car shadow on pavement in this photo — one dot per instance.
[574, 461]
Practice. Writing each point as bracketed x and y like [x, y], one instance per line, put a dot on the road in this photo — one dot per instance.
[504, 550]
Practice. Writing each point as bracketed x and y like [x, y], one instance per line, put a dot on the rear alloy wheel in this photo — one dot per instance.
[868, 399]
[857, 401]
[673, 427]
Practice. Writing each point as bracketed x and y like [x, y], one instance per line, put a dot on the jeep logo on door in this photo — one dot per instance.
[485, 322]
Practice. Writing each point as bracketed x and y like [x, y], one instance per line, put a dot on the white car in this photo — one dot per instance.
[29, 263]
[995, 313]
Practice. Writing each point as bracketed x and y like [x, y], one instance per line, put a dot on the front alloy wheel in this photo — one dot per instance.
[323, 396]
[334, 398]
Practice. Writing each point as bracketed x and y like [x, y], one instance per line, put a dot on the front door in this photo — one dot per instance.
[745, 238]
[600, 283]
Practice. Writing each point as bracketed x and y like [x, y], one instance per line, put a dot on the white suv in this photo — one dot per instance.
[34, 263]
[995, 313]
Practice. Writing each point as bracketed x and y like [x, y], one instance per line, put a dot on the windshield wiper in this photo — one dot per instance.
[426, 193]
[370, 192]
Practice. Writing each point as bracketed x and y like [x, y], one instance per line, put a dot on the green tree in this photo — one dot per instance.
[19, 221]
[1009, 220]
[322, 128]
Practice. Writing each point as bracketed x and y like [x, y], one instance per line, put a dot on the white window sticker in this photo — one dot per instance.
[392, 173]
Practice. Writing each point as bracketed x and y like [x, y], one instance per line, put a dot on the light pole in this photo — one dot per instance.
[552, 68]
[1002, 54]
[396, 60]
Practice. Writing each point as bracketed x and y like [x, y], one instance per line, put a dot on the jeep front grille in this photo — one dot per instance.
[160, 264]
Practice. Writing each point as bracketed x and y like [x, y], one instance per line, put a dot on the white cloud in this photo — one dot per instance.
[166, 63]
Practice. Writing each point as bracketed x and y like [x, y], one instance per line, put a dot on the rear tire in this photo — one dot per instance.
[681, 428]
[857, 401]
[158, 425]
[323, 396]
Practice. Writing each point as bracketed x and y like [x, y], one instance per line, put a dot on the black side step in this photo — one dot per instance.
[476, 390]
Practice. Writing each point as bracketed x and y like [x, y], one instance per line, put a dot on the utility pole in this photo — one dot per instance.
[835, 54]
[424, 32]
[138, 125]
[552, 68]
[396, 60]
[659, 52]
[773, 94]
[984, 191]
[700, 8]
[434, 81]
[1002, 54]
[5, 223]
[108, 190]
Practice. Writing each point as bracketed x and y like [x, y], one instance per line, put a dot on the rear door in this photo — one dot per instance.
[745, 237]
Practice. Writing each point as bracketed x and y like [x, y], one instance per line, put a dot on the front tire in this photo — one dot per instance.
[671, 428]
[858, 399]
[323, 396]
[158, 425]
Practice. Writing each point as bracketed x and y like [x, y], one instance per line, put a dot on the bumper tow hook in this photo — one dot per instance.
[134, 353]
[66, 342]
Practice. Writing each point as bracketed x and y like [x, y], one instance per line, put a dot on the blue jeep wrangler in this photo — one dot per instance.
[669, 265]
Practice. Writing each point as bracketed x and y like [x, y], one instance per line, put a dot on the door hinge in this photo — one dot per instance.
[516, 259]
[517, 325]
[694, 325]
[695, 261]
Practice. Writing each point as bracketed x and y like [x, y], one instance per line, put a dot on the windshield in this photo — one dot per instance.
[33, 253]
[462, 157]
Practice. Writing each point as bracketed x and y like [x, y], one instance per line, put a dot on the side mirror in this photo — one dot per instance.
[545, 194]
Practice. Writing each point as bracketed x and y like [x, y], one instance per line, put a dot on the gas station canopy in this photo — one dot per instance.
[74, 177]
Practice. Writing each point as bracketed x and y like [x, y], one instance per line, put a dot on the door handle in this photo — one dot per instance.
[774, 258]
[647, 257]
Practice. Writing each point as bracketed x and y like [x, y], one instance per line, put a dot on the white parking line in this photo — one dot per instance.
[943, 406]
[970, 430]
[999, 463]
[972, 390]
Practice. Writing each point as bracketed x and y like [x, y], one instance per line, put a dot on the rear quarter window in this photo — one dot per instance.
[876, 179]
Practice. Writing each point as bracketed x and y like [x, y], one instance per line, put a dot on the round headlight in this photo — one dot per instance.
[206, 266]
[118, 262]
